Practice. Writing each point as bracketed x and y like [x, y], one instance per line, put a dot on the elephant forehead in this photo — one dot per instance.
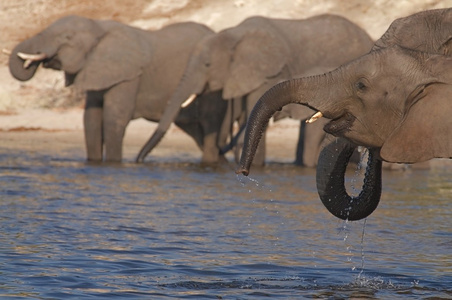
[70, 24]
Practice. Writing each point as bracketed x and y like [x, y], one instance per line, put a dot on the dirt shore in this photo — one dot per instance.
[60, 132]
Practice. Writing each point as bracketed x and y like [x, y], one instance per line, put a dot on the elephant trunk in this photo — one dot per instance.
[331, 169]
[169, 116]
[292, 91]
[23, 61]
[183, 96]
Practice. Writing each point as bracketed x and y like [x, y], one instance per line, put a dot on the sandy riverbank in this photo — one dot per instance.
[57, 130]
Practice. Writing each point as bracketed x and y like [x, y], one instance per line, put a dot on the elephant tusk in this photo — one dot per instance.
[6, 51]
[27, 63]
[30, 58]
[188, 101]
[33, 57]
[314, 117]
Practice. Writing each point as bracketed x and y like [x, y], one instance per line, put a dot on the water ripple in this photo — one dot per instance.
[162, 230]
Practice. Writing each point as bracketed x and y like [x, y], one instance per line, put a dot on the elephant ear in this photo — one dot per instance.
[119, 56]
[426, 31]
[426, 131]
[259, 55]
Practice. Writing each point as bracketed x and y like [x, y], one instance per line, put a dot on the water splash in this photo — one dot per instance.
[246, 179]
[375, 283]
[268, 205]
[359, 172]
[345, 229]
[362, 248]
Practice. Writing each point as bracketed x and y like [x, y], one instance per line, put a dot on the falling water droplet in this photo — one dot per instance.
[362, 248]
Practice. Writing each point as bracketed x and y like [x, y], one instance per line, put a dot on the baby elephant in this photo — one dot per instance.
[127, 73]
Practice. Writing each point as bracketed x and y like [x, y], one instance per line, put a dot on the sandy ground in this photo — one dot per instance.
[43, 115]
[60, 131]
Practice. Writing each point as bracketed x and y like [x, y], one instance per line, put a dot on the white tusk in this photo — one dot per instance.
[188, 101]
[27, 63]
[315, 117]
[30, 58]
[6, 51]
[33, 57]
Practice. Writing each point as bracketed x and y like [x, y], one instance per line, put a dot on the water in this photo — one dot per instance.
[174, 230]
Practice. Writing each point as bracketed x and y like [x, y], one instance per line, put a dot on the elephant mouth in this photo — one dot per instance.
[35, 59]
[52, 63]
[341, 125]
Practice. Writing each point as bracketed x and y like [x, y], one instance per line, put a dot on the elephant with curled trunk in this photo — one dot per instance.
[127, 73]
[242, 62]
[395, 101]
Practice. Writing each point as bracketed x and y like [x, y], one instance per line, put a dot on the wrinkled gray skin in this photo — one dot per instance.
[310, 138]
[127, 73]
[393, 100]
[245, 61]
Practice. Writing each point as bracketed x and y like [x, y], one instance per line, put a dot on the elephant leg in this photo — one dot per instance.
[226, 126]
[119, 105]
[313, 137]
[92, 122]
[213, 110]
[211, 152]
[193, 130]
[300, 144]
[207, 143]
[240, 116]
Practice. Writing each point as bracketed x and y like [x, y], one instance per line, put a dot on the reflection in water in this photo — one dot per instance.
[162, 230]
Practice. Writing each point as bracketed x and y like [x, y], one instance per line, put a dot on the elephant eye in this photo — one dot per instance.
[361, 86]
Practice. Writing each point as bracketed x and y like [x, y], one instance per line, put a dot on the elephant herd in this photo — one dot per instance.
[388, 96]
[203, 82]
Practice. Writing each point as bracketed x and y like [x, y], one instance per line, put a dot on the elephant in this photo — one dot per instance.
[244, 61]
[310, 138]
[391, 101]
[125, 73]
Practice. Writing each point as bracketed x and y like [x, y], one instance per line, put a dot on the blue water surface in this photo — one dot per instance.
[174, 230]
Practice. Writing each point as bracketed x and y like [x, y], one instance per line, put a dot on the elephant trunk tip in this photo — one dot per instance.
[242, 170]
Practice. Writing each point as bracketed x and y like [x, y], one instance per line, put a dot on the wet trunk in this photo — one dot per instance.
[331, 169]
[291, 91]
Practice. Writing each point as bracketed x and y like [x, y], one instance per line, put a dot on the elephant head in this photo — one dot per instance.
[394, 106]
[428, 31]
[226, 61]
[81, 48]
[62, 46]
[392, 100]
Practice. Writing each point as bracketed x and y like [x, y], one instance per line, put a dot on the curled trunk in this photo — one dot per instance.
[20, 68]
[331, 169]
